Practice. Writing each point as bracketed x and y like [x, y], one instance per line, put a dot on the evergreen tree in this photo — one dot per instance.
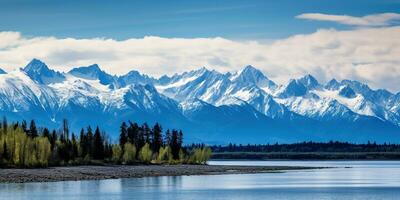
[98, 145]
[180, 139]
[147, 133]
[74, 150]
[32, 129]
[157, 138]
[46, 133]
[65, 129]
[167, 138]
[141, 138]
[90, 141]
[83, 144]
[133, 132]
[53, 139]
[175, 144]
[24, 126]
[123, 135]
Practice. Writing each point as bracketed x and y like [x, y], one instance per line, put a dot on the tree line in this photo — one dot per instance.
[23, 145]
[332, 146]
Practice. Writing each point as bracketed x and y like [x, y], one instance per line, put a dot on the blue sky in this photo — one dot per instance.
[342, 39]
[233, 19]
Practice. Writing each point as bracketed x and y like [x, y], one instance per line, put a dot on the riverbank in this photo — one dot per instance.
[74, 173]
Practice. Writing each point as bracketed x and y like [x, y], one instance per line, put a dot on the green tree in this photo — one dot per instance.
[157, 138]
[43, 150]
[116, 153]
[98, 152]
[32, 129]
[164, 155]
[74, 143]
[129, 153]
[123, 135]
[145, 153]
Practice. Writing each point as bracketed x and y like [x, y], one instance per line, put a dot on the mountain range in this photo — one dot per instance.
[209, 106]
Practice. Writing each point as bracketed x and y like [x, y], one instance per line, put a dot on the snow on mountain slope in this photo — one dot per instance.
[205, 102]
[252, 76]
[356, 104]
[19, 93]
[93, 72]
[39, 72]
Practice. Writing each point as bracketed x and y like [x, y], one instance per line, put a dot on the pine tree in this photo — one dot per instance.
[83, 143]
[74, 149]
[175, 144]
[65, 129]
[46, 133]
[24, 126]
[141, 138]
[98, 145]
[32, 129]
[147, 133]
[180, 139]
[53, 139]
[90, 141]
[133, 130]
[157, 138]
[123, 137]
[167, 138]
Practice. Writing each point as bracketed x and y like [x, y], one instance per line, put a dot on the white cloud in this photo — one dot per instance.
[383, 19]
[370, 55]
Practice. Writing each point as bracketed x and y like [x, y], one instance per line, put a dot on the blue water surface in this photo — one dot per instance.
[348, 180]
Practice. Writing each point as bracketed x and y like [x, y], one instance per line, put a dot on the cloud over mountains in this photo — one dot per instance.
[370, 54]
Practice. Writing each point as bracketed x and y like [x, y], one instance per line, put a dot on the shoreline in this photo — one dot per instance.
[90, 172]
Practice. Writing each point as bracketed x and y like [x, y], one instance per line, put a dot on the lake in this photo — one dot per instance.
[350, 180]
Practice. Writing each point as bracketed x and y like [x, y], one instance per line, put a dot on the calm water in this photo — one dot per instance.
[365, 180]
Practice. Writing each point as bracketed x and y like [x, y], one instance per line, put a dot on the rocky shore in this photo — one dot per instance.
[74, 173]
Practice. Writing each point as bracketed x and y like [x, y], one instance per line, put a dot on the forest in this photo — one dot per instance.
[332, 146]
[333, 150]
[23, 145]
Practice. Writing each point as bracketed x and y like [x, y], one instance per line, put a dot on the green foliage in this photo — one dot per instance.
[145, 154]
[129, 153]
[23, 146]
[116, 153]
[164, 155]
[200, 155]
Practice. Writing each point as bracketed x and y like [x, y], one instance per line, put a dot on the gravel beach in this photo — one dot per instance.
[73, 173]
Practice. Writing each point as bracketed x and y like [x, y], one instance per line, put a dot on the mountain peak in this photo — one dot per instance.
[309, 81]
[332, 85]
[35, 65]
[250, 68]
[346, 91]
[92, 72]
[294, 88]
[38, 71]
[251, 75]
[133, 77]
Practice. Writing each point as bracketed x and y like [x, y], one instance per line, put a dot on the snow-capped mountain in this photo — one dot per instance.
[243, 106]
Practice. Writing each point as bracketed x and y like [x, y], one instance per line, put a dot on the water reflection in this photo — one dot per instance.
[365, 180]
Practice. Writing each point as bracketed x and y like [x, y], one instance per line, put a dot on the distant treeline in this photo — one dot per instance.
[309, 151]
[332, 146]
[29, 146]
